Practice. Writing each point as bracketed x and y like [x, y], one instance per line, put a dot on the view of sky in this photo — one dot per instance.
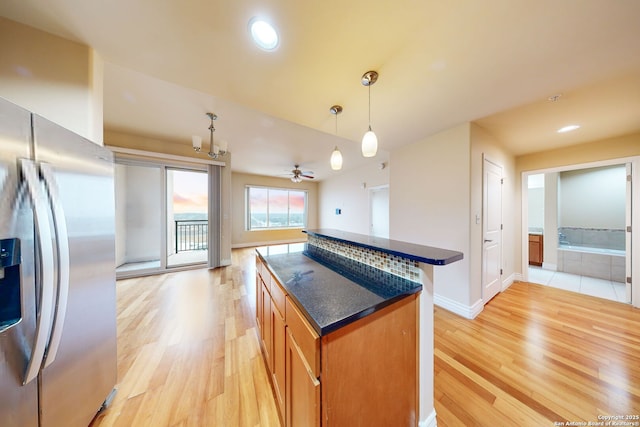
[189, 191]
[279, 200]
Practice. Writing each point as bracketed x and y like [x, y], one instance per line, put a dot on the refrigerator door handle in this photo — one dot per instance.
[62, 248]
[46, 272]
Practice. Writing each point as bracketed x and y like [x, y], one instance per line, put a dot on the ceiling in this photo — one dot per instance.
[441, 63]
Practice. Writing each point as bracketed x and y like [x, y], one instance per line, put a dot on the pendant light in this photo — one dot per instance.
[336, 155]
[369, 140]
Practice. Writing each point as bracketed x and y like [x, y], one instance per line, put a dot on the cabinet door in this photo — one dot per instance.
[302, 388]
[278, 349]
[267, 342]
[278, 352]
[535, 249]
[259, 304]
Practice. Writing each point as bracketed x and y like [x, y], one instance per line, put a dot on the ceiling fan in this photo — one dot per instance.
[297, 174]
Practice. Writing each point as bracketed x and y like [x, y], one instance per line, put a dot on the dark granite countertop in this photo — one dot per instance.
[331, 298]
[420, 253]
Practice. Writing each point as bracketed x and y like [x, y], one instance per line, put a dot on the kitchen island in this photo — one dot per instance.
[352, 313]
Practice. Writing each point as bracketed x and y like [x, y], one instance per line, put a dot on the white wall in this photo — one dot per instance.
[593, 198]
[345, 192]
[536, 209]
[536, 201]
[56, 78]
[484, 144]
[429, 202]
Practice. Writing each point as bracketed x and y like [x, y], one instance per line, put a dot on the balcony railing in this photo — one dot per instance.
[191, 235]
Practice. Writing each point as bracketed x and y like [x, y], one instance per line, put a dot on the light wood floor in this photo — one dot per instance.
[537, 355]
[188, 352]
[188, 355]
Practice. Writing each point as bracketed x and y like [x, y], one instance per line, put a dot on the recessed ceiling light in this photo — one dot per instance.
[263, 34]
[567, 128]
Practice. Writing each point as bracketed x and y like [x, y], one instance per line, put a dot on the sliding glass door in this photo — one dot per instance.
[161, 217]
[187, 221]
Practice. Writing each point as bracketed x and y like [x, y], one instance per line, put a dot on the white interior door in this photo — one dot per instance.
[491, 230]
[379, 203]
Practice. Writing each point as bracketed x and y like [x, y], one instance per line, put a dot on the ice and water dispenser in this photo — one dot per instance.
[10, 301]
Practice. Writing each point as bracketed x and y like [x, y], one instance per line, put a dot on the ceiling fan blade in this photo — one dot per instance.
[306, 176]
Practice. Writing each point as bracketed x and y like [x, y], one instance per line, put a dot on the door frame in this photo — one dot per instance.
[635, 214]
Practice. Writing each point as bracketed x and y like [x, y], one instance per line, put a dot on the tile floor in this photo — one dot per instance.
[607, 289]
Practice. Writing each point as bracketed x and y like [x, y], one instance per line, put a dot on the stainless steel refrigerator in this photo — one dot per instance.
[57, 273]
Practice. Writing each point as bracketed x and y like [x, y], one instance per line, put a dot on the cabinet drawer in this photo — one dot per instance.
[278, 296]
[262, 270]
[266, 277]
[304, 335]
[259, 267]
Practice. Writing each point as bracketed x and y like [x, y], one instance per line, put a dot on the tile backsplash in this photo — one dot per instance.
[393, 264]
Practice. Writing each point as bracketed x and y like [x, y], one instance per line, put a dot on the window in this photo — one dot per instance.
[276, 208]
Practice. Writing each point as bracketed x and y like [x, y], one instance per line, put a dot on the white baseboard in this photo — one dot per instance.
[508, 281]
[430, 421]
[466, 311]
[549, 266]
[269, 243]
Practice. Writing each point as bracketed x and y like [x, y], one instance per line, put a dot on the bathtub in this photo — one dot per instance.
[608, 264]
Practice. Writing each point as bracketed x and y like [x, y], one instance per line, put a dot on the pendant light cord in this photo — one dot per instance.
[369, 86]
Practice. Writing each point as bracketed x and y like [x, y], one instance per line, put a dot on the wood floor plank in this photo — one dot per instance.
[189, 355]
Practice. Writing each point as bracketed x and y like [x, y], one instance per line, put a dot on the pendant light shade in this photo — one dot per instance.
[196, 141]
[336, 155]
[369, 140]
[336, 159]
[369, 144]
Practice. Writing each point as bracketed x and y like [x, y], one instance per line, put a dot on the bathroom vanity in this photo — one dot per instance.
[342, 323]
[536, 249]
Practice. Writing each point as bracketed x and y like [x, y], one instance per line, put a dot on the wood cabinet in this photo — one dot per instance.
[278, 344]
[365, 373]
[370, 369]
[536, 249]
[270, 309]
[302, 370]
[263, 315]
